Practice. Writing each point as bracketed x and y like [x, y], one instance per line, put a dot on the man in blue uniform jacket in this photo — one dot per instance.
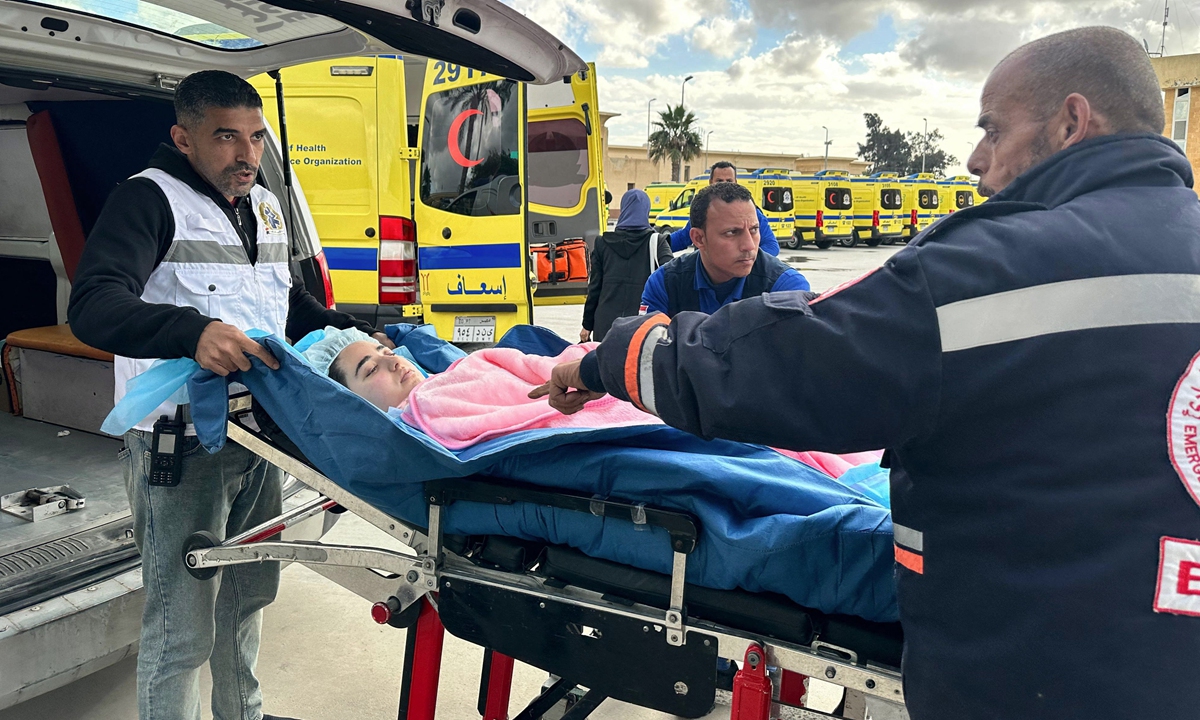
[728, 264]
[725, 172]
[1031, 366]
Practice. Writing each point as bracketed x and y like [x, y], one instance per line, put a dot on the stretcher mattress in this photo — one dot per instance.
[768, 523]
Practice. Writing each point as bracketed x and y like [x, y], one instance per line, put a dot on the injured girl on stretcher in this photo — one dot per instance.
[812, 526]
[481, 396]
[486, 394]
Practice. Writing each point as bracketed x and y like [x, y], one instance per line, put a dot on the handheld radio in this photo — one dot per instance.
[166, 457]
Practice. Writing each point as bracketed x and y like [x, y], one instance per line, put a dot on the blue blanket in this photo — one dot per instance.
[768, 523]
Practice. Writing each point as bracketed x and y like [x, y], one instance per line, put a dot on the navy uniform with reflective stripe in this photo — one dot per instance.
[1017, 360]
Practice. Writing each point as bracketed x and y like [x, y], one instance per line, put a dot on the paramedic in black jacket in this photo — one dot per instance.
[622, 261]
[1031, 366]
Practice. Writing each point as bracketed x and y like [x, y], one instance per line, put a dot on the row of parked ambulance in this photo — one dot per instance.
[831, 207]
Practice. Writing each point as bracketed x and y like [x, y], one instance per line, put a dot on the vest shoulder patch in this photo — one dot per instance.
[271, 220]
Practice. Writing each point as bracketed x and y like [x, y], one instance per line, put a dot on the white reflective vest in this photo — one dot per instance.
[207, 268]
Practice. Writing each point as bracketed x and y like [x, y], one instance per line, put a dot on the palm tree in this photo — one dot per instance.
[675, 140]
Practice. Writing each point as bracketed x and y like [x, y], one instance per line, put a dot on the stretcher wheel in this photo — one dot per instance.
[200, 541]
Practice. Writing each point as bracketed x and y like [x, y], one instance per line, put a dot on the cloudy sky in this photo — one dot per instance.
[770, 73]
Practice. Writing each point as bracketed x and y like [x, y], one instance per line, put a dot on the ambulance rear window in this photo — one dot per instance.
[891, 199]
[777, 199]
[927, 199]
[558, 162]
[837, 198]
[470, 159]
[964, 199]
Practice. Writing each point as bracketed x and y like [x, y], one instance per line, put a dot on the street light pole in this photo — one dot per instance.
[826, 146]
[970, 152]
[706, 139]
[683, 88]
[924, 144]
[648, 123]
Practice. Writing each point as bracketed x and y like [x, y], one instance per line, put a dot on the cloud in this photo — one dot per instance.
[629, 32]
[959, 47]
[723, 37]
[827, 63]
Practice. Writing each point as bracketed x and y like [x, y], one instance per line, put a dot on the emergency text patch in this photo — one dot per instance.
[1178, 577]
[1183, 429]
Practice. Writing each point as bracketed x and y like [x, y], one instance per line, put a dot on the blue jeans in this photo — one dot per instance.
[187, 621]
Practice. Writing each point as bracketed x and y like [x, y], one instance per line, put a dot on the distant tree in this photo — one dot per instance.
[936, 159]
[890, 150]
[675, 139]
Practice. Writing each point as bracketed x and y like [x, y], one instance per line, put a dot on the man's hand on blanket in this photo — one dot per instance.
[383, 340]
[566, 390]
[223, 349]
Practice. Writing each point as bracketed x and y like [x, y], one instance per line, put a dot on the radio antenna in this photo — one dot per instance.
[1162, 45]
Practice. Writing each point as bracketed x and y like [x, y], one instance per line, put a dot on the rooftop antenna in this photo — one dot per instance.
[1162, 45]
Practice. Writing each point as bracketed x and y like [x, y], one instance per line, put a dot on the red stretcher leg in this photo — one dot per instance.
[426, 665]
[499, 687]
[792, 688]
[752, 688]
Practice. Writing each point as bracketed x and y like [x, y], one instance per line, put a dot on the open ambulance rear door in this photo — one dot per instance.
[567, 212]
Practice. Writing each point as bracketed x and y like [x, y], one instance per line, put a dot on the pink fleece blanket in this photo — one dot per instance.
[485, 395]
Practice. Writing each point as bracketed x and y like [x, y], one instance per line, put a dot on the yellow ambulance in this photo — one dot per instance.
[878, 201]
[661, 195]
[431, 184]
[771, 189]
[677, 213]
[922, 203]
[958, 193]
[823, 209]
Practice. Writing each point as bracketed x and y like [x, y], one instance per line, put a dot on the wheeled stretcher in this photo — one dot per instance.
[620, 632]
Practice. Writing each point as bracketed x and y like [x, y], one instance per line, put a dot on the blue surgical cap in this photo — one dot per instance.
[323, 352]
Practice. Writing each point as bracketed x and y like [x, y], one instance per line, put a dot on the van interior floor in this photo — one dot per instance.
[73, 548]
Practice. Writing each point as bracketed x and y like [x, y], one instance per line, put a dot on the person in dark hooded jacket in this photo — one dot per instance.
[622, 261]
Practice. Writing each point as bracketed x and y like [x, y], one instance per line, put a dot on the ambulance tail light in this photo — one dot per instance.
[820, 218]
[914, 217]
[397, 261]
[323, 264]
[875, 218]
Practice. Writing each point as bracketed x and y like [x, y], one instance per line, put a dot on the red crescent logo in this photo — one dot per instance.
[452, 138]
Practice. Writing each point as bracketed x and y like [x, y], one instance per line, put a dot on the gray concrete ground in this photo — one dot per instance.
[323, 658]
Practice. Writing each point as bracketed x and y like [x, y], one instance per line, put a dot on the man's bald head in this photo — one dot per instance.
[1103, 64]
[1058, 91]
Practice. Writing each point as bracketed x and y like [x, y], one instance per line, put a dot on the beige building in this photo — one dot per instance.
[1179, 78]
[628, 166]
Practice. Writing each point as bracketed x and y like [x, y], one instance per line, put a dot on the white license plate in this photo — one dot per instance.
[474, 329]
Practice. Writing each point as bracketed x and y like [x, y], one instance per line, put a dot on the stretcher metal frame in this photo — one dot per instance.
[407, 587]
